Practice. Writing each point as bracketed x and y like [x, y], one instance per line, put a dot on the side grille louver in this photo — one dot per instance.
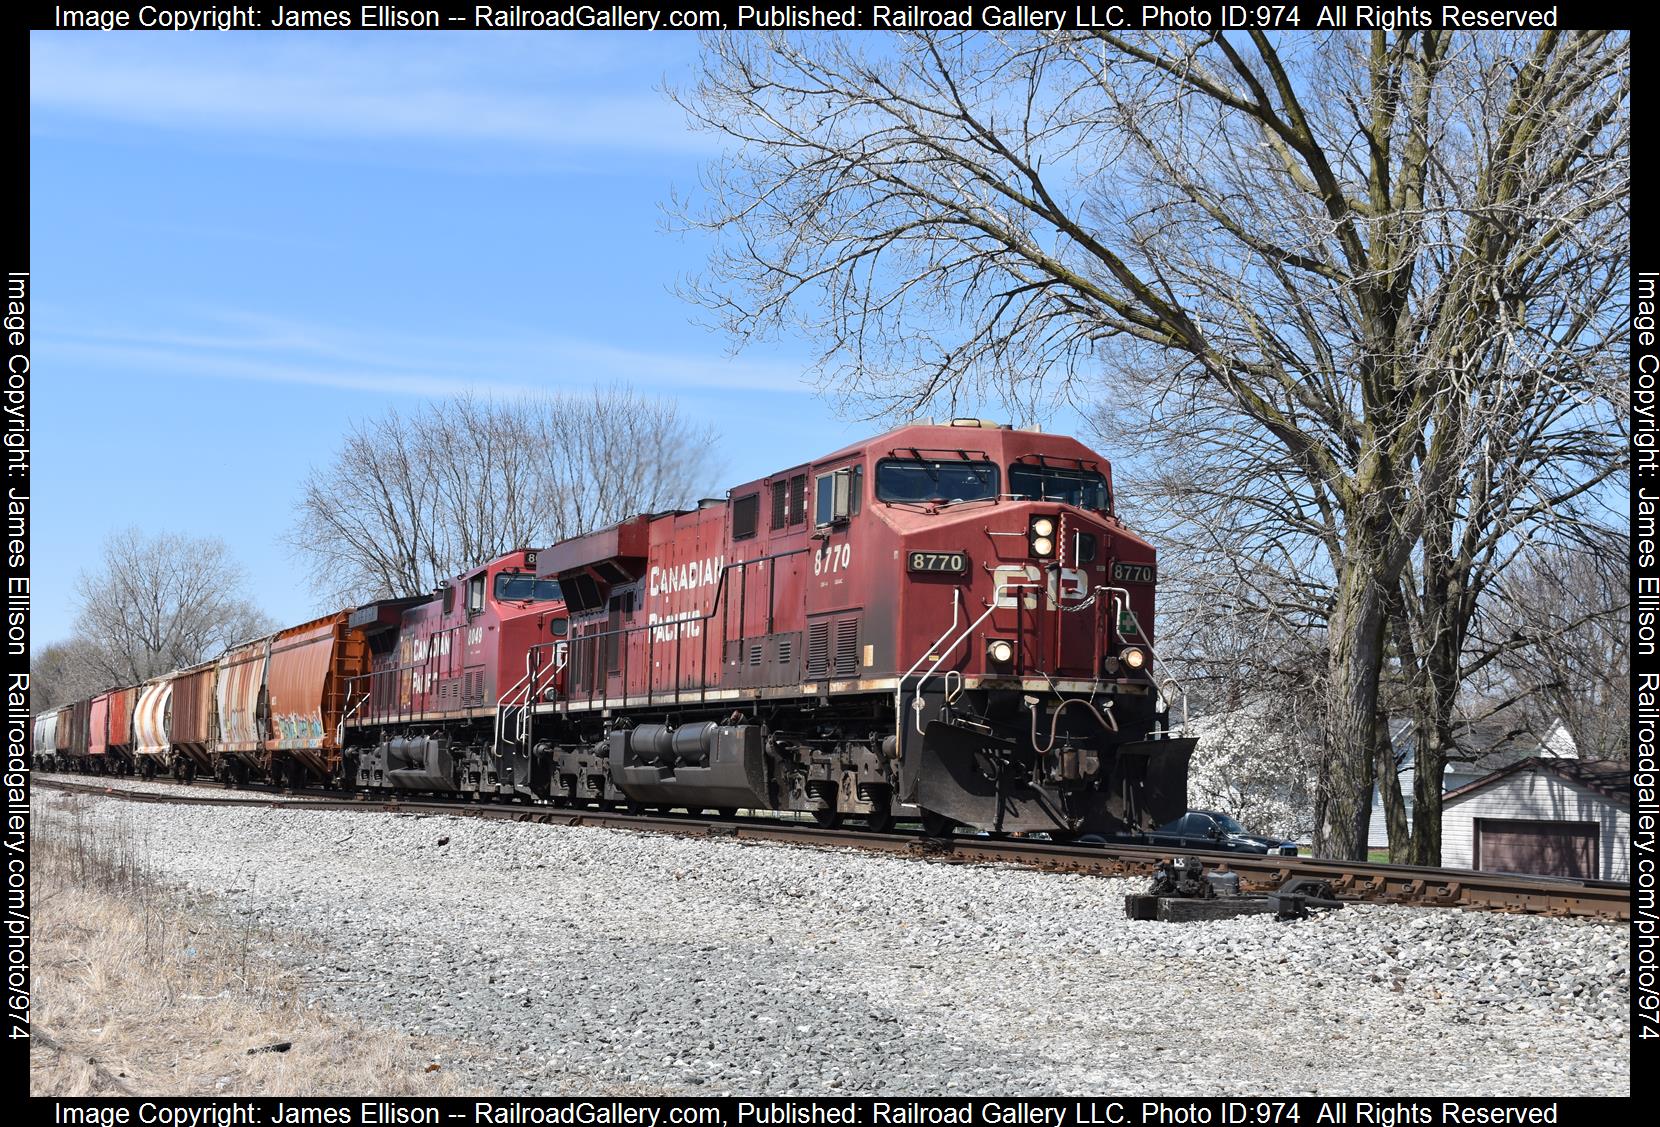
[847, 647]
[818, 648]
[832, 656]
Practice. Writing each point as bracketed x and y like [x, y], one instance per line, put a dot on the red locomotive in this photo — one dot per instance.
[944, 618]
[943, 622]
[431, 715]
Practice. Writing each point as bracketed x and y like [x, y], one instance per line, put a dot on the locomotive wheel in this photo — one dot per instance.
[879, 821]
[727, 812]
[936, 825]
[632, 807]
[827, 819]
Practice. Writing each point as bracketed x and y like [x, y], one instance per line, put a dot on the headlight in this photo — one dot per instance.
[1040, 532]
[1134, 658]
[1000, 651]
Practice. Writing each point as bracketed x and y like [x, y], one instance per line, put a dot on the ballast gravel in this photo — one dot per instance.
[119, 783]
[577, 960]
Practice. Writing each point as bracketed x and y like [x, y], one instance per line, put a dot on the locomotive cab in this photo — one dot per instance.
[1027, 692]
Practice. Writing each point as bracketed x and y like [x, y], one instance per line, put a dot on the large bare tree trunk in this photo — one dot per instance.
[1343, 803]
[1426, 802]
[1445, 620]
[1389, 789]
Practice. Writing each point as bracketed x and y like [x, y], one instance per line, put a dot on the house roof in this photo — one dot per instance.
[1610, 780]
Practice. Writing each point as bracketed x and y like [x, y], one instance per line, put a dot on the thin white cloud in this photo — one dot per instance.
[251, 346]
[464, 90]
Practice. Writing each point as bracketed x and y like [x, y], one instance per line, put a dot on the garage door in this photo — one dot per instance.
[1556, 849]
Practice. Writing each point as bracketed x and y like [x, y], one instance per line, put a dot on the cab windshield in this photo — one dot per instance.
[1083, 488]
[525, 589]
[923, 482]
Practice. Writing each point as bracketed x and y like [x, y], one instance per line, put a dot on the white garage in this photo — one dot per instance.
[1553, 817]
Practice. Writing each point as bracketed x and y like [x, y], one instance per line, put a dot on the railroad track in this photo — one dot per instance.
[1350, 880]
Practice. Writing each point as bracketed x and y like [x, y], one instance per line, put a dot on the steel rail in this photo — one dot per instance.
[1360, 881]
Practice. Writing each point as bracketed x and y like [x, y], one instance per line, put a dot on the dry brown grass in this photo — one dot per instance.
[134, 992]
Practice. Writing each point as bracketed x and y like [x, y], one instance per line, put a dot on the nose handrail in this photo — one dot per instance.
[561, 655]
[340, 728]
[506, 702]
[997, 595]
[1121, 606]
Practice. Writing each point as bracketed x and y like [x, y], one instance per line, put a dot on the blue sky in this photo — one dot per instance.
[242, 242]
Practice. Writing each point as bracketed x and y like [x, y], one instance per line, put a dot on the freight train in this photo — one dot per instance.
[945, 623]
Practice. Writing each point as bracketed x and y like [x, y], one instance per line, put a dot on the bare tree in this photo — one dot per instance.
[63, 672]
[159, 603]
[1363, 249]
[1561, 626]
[616, 454]
[412, 499]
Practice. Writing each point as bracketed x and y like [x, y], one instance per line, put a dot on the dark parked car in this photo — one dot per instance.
[1206, 829]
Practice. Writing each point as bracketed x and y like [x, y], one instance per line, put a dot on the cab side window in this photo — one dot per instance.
[475, 594]
[838, 495]
[746, 516]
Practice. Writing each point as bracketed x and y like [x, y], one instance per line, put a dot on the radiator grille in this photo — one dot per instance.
[818, 648]
[847, 647]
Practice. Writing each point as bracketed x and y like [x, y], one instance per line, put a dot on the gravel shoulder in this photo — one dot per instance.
[602, 961]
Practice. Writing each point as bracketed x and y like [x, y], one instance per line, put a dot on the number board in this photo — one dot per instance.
[1134, 573]
[951, 562]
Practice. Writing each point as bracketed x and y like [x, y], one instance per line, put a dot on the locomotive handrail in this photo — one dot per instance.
[956, 616]
[716, 606]
[560, 657]
[997, 593]
[340, 727]
[504, 702]
[1144, 640]
[376, 677]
